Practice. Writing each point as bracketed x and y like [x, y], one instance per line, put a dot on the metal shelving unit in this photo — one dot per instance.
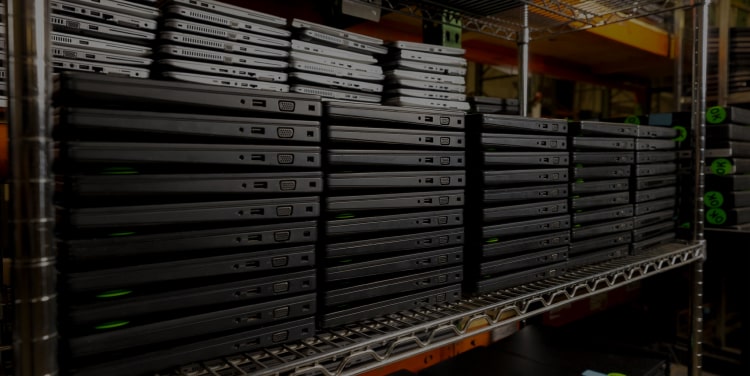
[364, 346]
[373, 343]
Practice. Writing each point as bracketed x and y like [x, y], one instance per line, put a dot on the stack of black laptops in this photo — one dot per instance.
[517, 212]
[213, 43]
[103, 36]
[493, 105]
[738, 80]
[426, 75]
[727, 167]
[336, 64]
[681, 122]
[603, 155]
[654, 188]
[183, 235]
[394, 210]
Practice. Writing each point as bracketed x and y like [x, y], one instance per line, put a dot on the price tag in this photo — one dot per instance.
[716, 216]
[721, 166]
[713, 199]
[681, 133]
[716, 114]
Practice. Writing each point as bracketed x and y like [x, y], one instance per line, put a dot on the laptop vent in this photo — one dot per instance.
[62, 39]
[200, 55]
[203, 42]
[204, 30]
[317, 69]
[207, 17]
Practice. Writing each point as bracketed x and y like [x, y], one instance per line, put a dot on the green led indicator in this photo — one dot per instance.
[716, 114]
[685, 225]
[492, 240]
[579, 181]
[632, 119]
[111, 325]
[345, 261]
[577, 226]
[114, 294]
[119, 171]
[345, 216]
[579, 165]
[721, 166]
[124, 233]
[681, 133]
[713, 199]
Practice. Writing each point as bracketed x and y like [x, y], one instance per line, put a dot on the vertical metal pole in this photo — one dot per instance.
[478, 79]
[696, 318]
[725, 12]
[700, 62]
[31, 184]
[700, 45]
[679, 59]
[523, 62]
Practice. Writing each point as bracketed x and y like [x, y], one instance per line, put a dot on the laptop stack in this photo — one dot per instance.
[682, 123]
[518, 210]
[183, 235]
[727, 167]
[335, 64]
[214, 43]
[426, 75]
[602, 158]
[738, 80]
[112, 37]
[493, 105]
[654, 188]
[394, 210]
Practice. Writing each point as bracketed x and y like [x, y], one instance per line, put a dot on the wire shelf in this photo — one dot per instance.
[373, 343]
[502, 19]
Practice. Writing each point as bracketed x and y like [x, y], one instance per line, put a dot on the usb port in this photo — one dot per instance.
[260, 185]
[257, 130]
[428, 139]
[428, 119]
[258, 157]
[259, 211]
[428, 201]
[255, 238]
[258, 103]
[428, 160]
[428, 180]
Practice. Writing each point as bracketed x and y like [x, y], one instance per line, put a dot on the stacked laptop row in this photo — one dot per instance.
[183, 235]
[738, 79]
[655, 186]
[426, 75]
[214, 43]
[727, 167]
[103, 36]
[519, 217]
[336, 64]
[493, 105]
[602, 162]
[394, 216]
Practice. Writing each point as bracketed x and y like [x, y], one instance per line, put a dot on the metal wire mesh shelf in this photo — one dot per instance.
[502, 19]
[370, 344]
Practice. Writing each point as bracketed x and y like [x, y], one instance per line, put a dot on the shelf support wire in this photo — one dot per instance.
[31, 184]
[700, 63]
[523, 62]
